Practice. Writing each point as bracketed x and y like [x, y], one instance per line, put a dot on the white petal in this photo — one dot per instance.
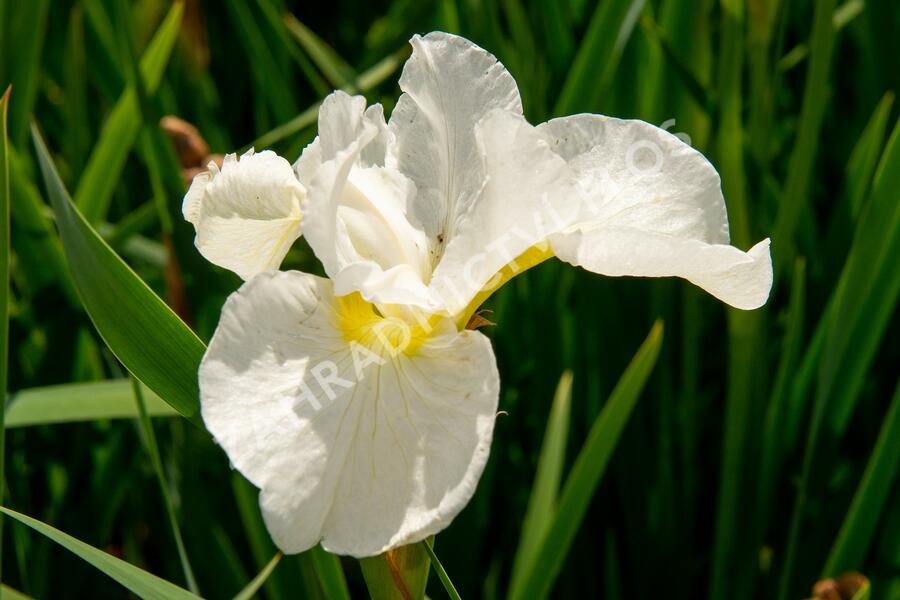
[344, 120]
[247, 214]
[528, 195]
[449, 84]
[385, 459]
[653, 207]
[623, 164]
[741, 279]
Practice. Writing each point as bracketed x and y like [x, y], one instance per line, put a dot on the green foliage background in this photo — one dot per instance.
[764, 450]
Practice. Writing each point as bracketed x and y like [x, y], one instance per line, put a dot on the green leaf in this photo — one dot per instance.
[335, 68]
[367, 80]
[156, 459]
[815, 97]
[7, 593]
[855, 537]
[250, 591]
[598, 56]
[144, 334]
[101, 175]
[588, 470]
[545, 488]
[439, 569]
[144, 584]
[5, 249]
[75, 402]
[328, 569]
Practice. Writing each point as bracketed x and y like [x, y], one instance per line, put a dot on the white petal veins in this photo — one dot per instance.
[360, 465]
[246, 214]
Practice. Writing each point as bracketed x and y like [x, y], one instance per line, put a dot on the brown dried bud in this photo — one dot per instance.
[190, 146]
[843, 587]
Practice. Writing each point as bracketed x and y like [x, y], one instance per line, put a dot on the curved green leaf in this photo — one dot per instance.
[144, 584]
[144, 334]
[588, 470]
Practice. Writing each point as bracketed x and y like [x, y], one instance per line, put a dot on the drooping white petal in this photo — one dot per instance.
[246, 214]
[349, 444]
[528, 195]
[449, 84]
[741, 279]
[652, 206]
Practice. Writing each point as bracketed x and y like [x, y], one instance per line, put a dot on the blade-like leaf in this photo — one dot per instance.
[330, 573]
[156, 459]
[546, 483]
[852, 544]
[74, 402]
[439, 569]
[598, 55]
[144, 584]
[4, 288]
[588, 470]
[144, 334]
[101, 175]
[335, 68]
[250, 591]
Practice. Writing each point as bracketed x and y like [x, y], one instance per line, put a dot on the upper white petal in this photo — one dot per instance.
[652, 206]
[386, 456]
[449, 84]
[528, 195]
[247, 214]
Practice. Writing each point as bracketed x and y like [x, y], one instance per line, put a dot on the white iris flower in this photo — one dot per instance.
[360, 404]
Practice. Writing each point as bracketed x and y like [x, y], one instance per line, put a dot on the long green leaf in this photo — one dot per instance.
[545, 488]
[796, 189]
[253, 587]
[328, 569]
[144, 584]
[4, 290]
[101, 175]
[598, 55]
[7, 593]
[156, 459]
[144, 334]
[75, 402]
[335, 68]
[439, 569]
[367, 80]
[588, 470]
[852, 544]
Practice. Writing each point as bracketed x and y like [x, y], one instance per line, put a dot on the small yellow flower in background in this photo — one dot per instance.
[359, 404]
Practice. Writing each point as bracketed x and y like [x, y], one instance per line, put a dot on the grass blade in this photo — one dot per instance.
[335, 68]
[542, 501]
[153, 451]
[140, 582]
[815, 94]
[328, 569]
[367, 80]
[588, 470]
[599, 51]
[101, 174]
[144, 334]
[250, 591]
[439, 569]
[853, 541]
[78, 402]
[5, 249]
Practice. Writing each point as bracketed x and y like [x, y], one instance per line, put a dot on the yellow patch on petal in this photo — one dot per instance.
[533, 256]
[360, 322]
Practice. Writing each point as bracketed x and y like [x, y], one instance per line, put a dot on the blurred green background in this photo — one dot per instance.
[761, 456]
